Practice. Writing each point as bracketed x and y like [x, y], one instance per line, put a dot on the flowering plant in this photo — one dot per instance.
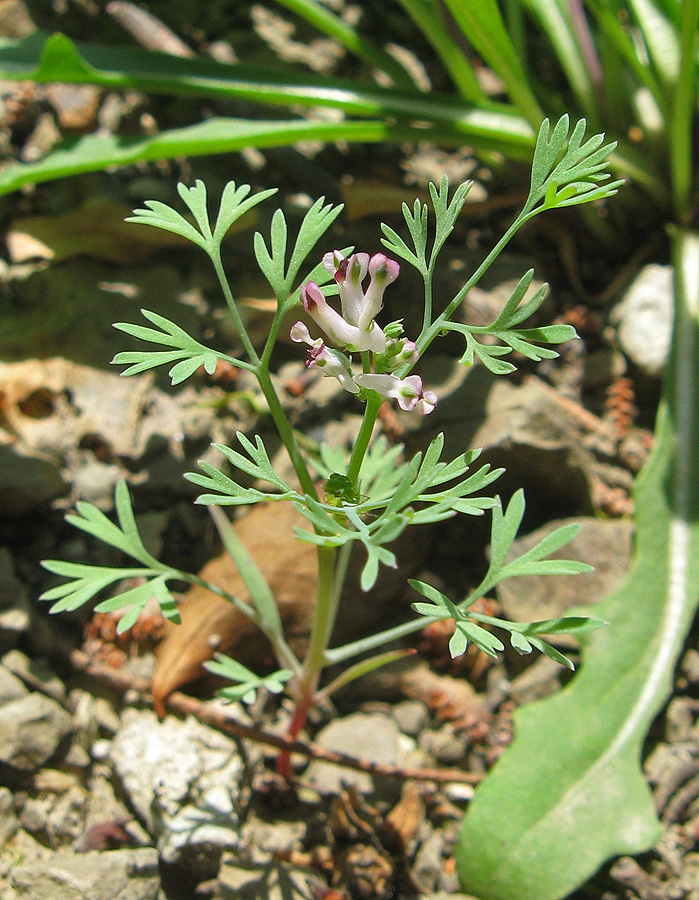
[369, 496]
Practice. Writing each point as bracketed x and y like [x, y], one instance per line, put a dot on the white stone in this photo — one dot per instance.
[644, 318]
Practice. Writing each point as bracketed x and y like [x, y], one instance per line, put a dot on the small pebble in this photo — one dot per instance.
[411, 716]
[101, 748]
[458, 792]
[444, 745]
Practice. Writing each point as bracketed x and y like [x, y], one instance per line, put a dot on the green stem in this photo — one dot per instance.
[427, 317]
[355, 648]
[429, 333]
[285, 431]
[323, 620]
[215, 255]
[371, 411]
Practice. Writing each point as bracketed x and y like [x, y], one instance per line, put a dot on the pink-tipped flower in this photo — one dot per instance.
[332, 362]
[349, 275]
[383, 271]
[407, 391]
[361, 307]
[337, 328]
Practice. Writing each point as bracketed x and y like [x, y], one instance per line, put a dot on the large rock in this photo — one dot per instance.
[371, 736]
[27, 481]
[72, 424]
[183, 779]
[31, 730]
[525, 428]
[117, 875]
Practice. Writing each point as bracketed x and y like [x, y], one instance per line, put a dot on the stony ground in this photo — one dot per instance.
[100, 797]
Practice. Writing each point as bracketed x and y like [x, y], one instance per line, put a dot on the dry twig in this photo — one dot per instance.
[184, 705]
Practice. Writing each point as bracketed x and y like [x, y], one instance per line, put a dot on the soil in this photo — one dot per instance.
[70, 430]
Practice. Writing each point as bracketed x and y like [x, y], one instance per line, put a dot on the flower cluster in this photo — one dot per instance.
[354, 330]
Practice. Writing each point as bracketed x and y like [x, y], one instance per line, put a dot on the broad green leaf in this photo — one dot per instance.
[56, 58]
[569, 792]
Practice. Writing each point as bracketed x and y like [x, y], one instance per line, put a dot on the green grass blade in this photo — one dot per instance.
[482, 25]
[423, 13]
[661, 38]
[569, 793]
[93, 153]
[261, 595]
[555, 21]
[157, 73]
[684, 104]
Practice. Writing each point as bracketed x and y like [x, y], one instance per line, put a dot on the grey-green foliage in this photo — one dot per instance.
[372, 494]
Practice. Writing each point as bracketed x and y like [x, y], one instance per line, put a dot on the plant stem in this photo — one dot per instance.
[329, 590]
[233, 308]
[323, 620]
[285, 432]
[371, 411]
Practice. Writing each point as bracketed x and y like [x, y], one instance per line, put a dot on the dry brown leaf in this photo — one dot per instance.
[405, 818]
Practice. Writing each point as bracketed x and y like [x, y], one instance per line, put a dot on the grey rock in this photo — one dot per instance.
[411, 716]
[520, 427]
[374, 737]
[15, 615]
[458, 793]
[183, 780]
[27, 481]
[276, 881]
[605, 545]
[103, 803]
[679, 720]
[122, 874]
[56, 818]
[690, 666]
[11, 688]
[9, 822]
[31, 730]
[265, 840]
[644, 318]
[429, 863]
[36, 674]
[444, 745]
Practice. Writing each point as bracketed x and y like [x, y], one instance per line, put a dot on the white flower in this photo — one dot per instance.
[337, 328]
[332, 362]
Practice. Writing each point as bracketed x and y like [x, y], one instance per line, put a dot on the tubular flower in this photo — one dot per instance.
[339, 329]
[382, 271]
[407, 391]
[349, 274]
[332, 362]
